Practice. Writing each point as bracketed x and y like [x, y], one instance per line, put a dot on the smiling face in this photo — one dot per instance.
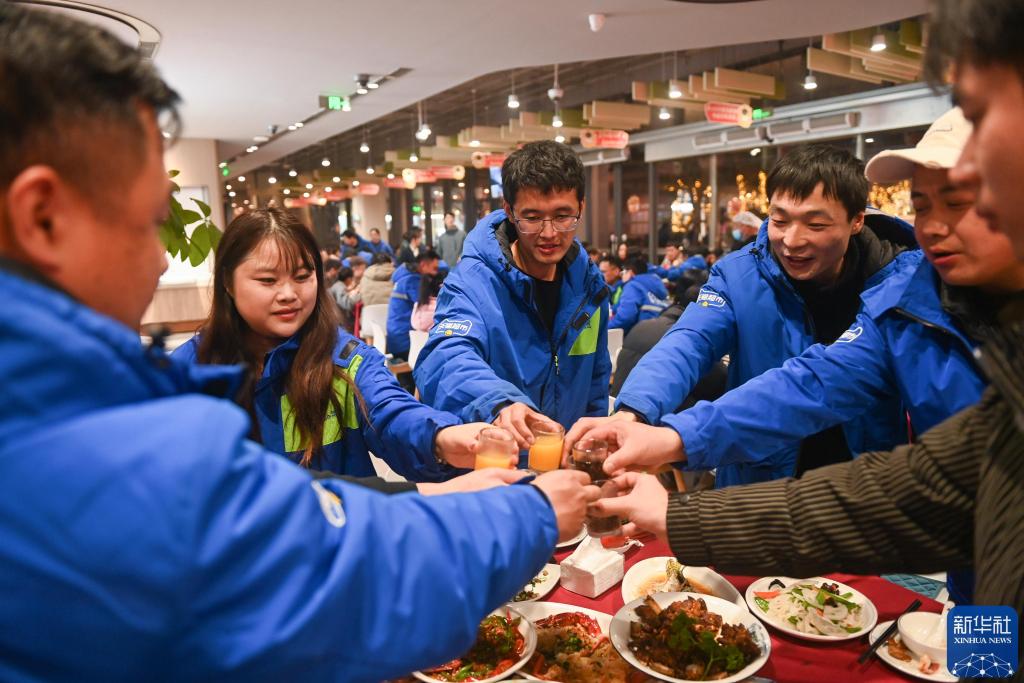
[274, 299]
[992, 98]
[540, 252]
[957, 241]
[809, 237]
[671, 252]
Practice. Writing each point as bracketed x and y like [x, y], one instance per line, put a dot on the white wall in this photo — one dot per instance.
[370, 211]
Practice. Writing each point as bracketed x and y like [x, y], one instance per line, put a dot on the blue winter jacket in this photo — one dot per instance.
[490, 347]
[616, 296]
[400, 430]
[903, 344]
[381, 247]
[403, 297]
[696, 262]
[749, 310]
[643, 297]
[142, 537]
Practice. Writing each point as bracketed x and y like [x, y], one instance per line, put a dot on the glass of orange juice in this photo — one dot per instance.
[546, 451]
[495, 447]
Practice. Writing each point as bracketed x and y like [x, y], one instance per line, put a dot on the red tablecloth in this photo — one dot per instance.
[792, 660]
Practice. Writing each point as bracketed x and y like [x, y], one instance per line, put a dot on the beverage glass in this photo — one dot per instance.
[588, 456]
[495, 447]
[546, 451]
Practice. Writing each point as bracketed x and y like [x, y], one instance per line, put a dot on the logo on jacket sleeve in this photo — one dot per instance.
[448, 328]
[709, 298]
[850, 335]
[330, 505]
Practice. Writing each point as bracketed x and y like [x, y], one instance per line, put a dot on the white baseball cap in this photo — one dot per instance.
[939, 148]
[747, 218]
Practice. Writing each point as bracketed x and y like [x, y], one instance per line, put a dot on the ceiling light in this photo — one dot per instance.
[754, 152]
[293, 173]
[513, 101]
[260, 138]
[272, 180]
[305, 194]
[328, 189]
[232, 194]
[355, 183]
[474, 143]
[559, 138]
[556, 121]
[878, 42]
[462, 184]
[391, 176]
[664, 114]
[251, 148]
[222, 164]
[362, 90]
[361, 83]
[227, 187]
[423, 133]
[286, 191]
[869, 140]
[370, 170]
[241, 178]
[336, 179]
[233, 205]
[291, 126]
[810, 82]
[309, 186]
[413, 157]
[167, 136]
[364, 148]
[325, 162]
[246, 202]
[673, 91]
[299, 124]
[373, 85]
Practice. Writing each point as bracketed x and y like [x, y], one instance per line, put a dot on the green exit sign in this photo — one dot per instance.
[225, 171]
[760, 114]
[335, 103]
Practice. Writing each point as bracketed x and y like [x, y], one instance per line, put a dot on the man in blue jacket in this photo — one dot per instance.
[378, 246]
[611, 270]
[798, 284]
[132, 505]
[643, 296]
[522, 323]
[404, 295]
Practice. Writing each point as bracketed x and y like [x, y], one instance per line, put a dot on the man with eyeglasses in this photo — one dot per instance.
[522, 324]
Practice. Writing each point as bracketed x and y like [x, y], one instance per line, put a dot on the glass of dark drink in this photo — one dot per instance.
[588, 456]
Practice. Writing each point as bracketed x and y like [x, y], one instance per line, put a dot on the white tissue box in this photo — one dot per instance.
[592, 569]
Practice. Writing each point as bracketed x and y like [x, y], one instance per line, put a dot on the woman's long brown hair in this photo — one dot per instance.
[309, 385]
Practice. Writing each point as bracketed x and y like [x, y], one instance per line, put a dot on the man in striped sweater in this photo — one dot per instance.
[954, 497]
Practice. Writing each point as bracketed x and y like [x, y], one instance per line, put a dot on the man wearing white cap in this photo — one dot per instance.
[745, 225]
[914, 337]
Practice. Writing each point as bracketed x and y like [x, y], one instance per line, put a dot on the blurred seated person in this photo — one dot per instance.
[377, 245]
[673, 256]
[643, 296]
[423, 311]
[410, 248]
[745, 225]
[358, 265]
[376, 284]
[611, 271]
[346, 296]
[332, 267]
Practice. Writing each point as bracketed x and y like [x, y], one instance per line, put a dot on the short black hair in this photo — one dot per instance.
[544, 165]
[70, 92]
[349, 233]
[345, 274]
[380, 257]
[675, 244]
[636, 265]
[840, 174]
[593, 251]
[612, 261]
[981, 32]
[412, 233]
[332, 263]
[449, 213]
[376, 230]
[427, 255]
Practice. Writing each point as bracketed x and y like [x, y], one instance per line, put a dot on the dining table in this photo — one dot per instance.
[792, 660]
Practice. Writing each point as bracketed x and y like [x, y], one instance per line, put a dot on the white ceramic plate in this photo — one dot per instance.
[731, 614]
[574, 540]
[545, 585]
[909, 668]
[868, 612]
[644, 570]
[530, 644]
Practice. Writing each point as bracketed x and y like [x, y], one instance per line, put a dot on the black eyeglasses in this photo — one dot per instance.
[531, 226]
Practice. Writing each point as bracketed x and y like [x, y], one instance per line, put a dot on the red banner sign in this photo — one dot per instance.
[730, 114]
[597, 138]
[448, 172]
[395, 183]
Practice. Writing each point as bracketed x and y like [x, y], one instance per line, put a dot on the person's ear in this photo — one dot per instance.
[41, 211]
[858, 223]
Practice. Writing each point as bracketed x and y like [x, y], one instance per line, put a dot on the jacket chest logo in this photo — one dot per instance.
[448, 328]
[710, 299]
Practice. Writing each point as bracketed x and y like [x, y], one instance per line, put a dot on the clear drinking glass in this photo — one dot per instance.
[588, 456]
[546, 451]
[495, 446]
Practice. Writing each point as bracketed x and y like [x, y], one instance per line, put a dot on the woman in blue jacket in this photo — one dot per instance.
[315, 392]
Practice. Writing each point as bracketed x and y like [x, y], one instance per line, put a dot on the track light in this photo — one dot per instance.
[474, 143]
[232, 194]
[391, 176]
[559, 138]
[556, 121]
[810, 82]
[355, 183]
[241, 178]
[227, 187]
[309, 186]
[373, 85]
[286, 191]
[364, 147]
[272, 180]
[361, 84]
[513, 101]
[293, 173]
[370, 170]
[336, 180]
[674, 92]
[299, 124]
[325, 162]
[305, 194]
[414, 157]
[878, 42]
[664, 114]
[328, 189]
[423, 133]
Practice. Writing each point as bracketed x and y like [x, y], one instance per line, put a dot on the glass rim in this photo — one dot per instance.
[496, 433]
[585, 446]
[547, 428]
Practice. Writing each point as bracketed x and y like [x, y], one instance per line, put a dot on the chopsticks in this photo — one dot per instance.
[888, 633]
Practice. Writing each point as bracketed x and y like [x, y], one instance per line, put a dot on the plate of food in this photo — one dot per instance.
[573, 646]
[903, 659]
[812, 609]
[690, 637]
[574, 540]
[505, 641]
[666, 575]
[540, 585]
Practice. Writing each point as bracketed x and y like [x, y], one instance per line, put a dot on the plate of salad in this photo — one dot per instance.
[505, 641]
[813, 609]
[540, 585]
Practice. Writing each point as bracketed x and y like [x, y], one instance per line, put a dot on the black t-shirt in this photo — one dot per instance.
[547, 296]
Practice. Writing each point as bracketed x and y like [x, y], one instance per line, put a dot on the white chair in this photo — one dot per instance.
[615, 337]
[371, 315]
[380, 337]
[417, 340]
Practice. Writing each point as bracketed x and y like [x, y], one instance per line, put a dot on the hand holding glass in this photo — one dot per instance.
[588, 455]
[496, 447]
[546, 451]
